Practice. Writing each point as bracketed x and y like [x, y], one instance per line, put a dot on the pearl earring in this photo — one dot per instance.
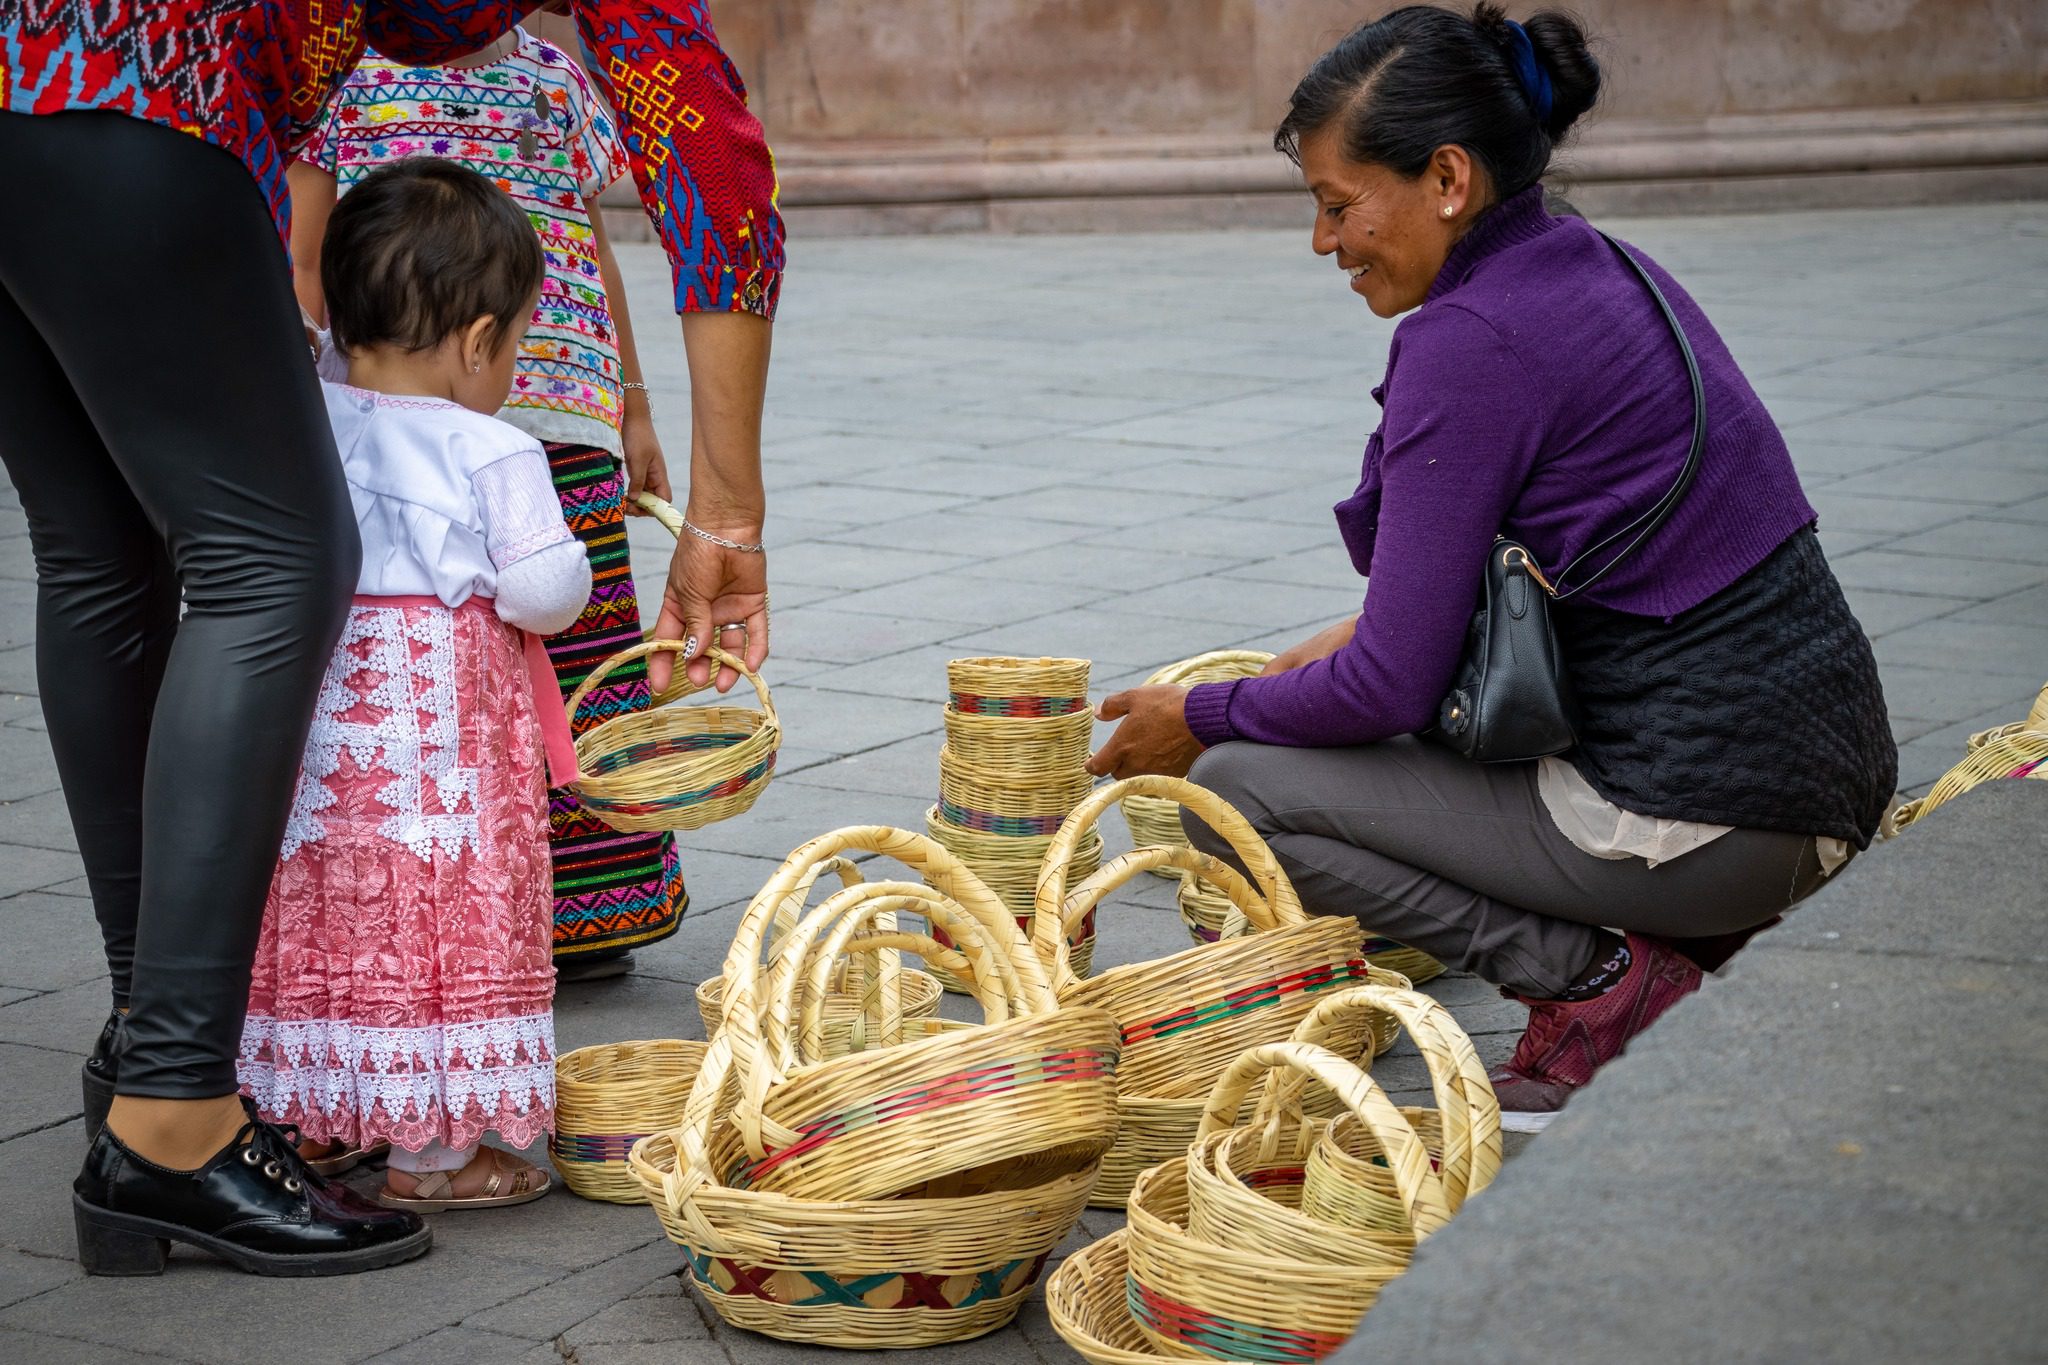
[1447, 210]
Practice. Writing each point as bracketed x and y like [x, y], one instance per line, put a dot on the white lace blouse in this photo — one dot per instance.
[453, 504]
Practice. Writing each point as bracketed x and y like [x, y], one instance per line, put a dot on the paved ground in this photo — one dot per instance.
[1120, 447]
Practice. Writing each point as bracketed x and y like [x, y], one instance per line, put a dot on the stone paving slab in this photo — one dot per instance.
[1120, 446]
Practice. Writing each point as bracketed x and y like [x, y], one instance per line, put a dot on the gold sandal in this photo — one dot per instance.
[435, 1191]
[346, 1159]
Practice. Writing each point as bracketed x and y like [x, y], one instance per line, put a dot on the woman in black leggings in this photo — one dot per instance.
[166, 434]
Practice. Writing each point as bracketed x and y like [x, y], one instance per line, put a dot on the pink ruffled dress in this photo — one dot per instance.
[403, 987]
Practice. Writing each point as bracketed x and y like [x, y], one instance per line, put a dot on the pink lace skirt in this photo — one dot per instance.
[403, 988]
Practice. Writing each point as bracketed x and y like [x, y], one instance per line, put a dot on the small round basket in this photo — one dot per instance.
[1031, 749]
[675, 766]
[1008, 865]
[1002, 801]
[1020, 688]
[609, 1097]
[1152, 820]
[1088, 1300]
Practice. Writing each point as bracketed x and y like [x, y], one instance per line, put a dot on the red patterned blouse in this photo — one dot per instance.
[252, 76]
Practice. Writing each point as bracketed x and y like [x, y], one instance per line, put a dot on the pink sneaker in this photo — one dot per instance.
[1566, 1043]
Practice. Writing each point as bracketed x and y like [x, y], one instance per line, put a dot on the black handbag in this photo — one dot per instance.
[1511, 698]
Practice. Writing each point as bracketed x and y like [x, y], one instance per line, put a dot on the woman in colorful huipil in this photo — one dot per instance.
[194, 542]
[523, 114]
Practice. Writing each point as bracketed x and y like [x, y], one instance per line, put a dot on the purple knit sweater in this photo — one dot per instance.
[1536, 393]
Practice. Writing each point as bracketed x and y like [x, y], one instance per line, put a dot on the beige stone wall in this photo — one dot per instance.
[826, 70]
[932, 115]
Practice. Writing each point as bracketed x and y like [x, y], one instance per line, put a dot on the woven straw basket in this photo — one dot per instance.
[1460, 1137]
[1023, 689]
[1009, 867]
[1157, 822]
[1184, 1017]
[609, 1097]
[857, 994]
[1207, 914]
[1026, 746]
[2009, 751]
[872, 1274]
[1035, 1082]
[674, 766]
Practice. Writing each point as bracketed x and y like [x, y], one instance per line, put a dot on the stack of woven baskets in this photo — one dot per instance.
[904, 1195]
[1268, 1241]
[1012, 767]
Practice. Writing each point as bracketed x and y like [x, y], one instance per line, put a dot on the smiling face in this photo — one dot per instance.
[1389, 233]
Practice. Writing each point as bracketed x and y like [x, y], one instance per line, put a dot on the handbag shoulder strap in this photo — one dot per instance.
[1646, 525]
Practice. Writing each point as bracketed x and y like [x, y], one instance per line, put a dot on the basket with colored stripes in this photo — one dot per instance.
[1222, 1263]
[1023, 747]
[866, 1274]
[1343, 1172]
[1021, 689]
[674, 766]
[609, 1097]
[1008, 866]
[1183, 1018]
[1035, 1083]
[1002, 801]
[1207, 914]
[1152, 820]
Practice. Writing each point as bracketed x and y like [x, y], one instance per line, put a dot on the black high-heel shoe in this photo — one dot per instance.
[97, 1077]
[255, 1205]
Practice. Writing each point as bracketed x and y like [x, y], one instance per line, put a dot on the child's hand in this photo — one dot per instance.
[646, 469]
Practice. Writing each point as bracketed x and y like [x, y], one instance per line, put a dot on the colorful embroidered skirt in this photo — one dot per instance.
[612, 890]
[403, 989]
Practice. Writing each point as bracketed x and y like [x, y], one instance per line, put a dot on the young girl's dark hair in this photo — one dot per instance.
[421, 248]
[1422, 78]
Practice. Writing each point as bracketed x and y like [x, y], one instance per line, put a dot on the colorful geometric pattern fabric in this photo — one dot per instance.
[805, 1288]
[612, 890]
[252, 76]
[530, 123]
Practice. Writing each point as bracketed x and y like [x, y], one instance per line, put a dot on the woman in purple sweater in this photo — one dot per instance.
[1733, 746]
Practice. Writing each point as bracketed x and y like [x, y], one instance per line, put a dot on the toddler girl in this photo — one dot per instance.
[403, 991]
[523, 114]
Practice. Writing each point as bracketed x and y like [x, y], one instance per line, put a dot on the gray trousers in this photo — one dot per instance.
[1462, 860]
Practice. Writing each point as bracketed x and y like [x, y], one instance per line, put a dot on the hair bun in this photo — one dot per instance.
[1560, 45]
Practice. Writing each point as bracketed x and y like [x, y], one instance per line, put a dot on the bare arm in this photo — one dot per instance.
[313, 195]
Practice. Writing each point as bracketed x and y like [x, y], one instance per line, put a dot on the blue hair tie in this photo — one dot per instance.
[1529, 72]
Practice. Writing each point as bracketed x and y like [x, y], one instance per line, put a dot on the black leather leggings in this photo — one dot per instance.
[161, 421]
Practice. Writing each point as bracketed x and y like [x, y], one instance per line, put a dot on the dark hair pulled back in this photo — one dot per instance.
[421, 248]
[1423, 77]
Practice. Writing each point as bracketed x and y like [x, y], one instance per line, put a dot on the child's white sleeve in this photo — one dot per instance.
[543, 573]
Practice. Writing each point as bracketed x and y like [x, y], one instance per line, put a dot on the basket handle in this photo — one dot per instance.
[1217, 813]
[675, 647]
[856, 920]
[1053, 943]
[1420, 1188]
[790, 912]
[1464, 1096]
[662, 511]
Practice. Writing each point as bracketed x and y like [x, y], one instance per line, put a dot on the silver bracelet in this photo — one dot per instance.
[636, 384]
[755, 549]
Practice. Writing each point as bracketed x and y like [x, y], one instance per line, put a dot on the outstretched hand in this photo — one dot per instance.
[1153, 738]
